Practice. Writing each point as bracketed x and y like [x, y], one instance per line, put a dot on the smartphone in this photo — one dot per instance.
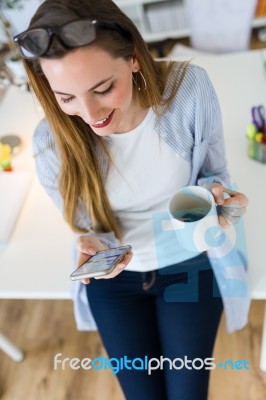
[102, 263]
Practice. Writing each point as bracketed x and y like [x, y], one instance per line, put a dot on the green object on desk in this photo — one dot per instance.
[256, 143]
[251, 131]
[251, 148]
[257, 150]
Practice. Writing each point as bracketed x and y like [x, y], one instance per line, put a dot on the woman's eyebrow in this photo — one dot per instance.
[92, 88]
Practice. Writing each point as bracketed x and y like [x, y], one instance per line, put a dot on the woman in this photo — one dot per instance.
[122, 133]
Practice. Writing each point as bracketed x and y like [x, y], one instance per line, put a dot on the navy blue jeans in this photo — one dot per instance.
[173, 313]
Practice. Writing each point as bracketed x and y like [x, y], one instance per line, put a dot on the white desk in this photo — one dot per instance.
[36, 261]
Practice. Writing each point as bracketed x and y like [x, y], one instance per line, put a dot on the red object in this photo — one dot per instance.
[8, 169]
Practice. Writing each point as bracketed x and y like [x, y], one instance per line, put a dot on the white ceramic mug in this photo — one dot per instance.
[194, 217]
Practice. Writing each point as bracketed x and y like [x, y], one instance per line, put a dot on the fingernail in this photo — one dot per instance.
[220, 200]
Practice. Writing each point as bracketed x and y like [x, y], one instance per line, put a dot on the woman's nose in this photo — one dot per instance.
[90, 111]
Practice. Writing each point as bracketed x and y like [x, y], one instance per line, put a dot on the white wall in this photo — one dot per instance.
[20, 18]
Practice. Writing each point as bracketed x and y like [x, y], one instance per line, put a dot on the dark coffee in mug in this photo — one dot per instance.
[192, 214]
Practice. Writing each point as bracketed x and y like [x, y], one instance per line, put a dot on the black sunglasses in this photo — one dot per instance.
[35, 42]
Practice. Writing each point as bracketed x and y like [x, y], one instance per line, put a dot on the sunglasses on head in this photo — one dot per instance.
[35, 42]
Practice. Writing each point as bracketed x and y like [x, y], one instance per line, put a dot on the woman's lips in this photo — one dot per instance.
[106, 121]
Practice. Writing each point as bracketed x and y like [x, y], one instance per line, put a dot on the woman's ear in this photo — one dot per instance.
[135, 62]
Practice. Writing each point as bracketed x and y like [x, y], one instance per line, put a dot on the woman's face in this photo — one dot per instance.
[89, 83]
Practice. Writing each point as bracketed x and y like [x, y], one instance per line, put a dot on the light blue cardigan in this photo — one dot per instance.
[192, 127]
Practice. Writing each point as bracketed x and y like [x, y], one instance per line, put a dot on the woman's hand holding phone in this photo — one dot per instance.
[88, 246]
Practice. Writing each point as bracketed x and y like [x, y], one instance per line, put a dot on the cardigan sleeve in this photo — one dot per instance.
[47, 163]
[192, 126]
[209, 120]
[47, 166]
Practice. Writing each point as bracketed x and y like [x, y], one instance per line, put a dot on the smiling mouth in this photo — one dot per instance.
[104, 122]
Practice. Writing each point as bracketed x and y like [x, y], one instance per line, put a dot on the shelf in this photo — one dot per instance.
[259, 22]
[157, 19]
[152, 17]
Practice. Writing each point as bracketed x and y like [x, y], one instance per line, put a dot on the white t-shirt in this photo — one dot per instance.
[146, 174]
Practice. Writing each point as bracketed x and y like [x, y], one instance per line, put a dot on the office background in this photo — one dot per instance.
[43, 328]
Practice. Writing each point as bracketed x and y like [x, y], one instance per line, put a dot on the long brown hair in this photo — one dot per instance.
[80, 177]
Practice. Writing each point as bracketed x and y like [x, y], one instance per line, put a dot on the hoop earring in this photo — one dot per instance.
[143, 81]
